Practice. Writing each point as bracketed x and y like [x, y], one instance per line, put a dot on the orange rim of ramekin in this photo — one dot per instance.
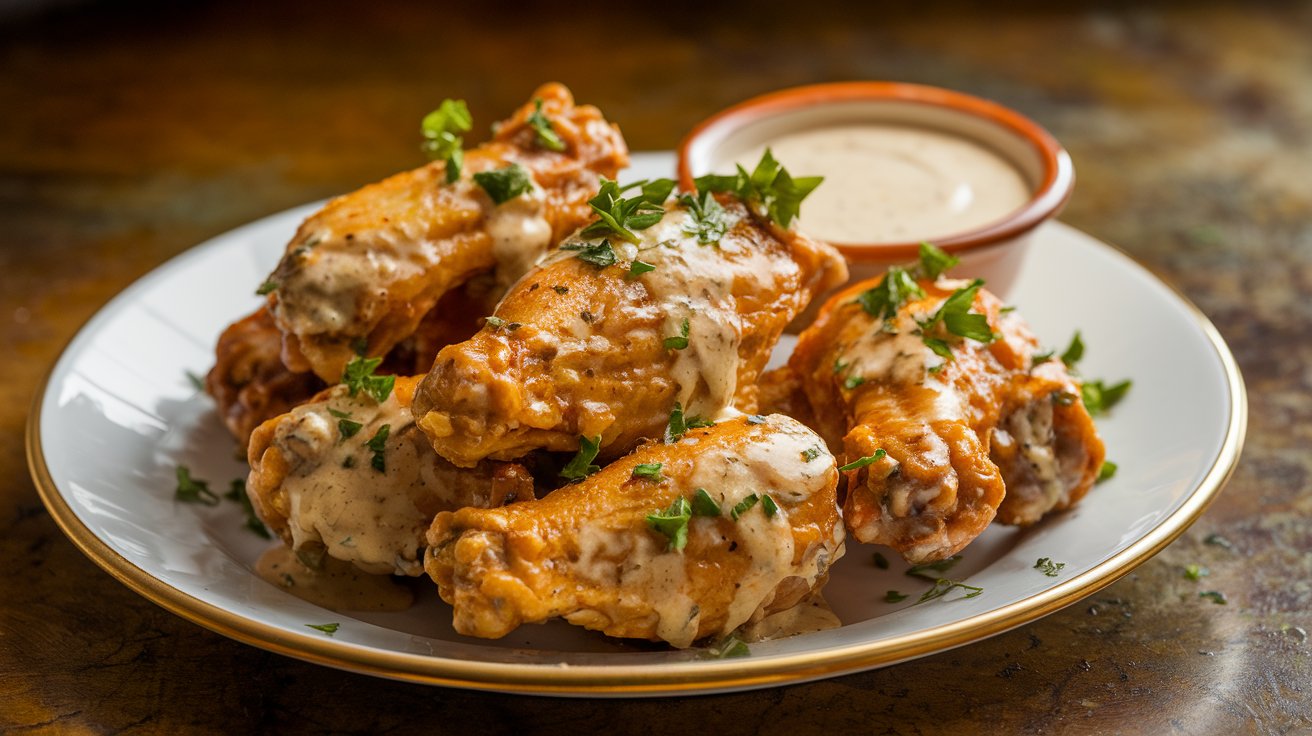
[1051, 194]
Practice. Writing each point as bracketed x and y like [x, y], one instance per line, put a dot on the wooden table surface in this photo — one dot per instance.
[129, 134]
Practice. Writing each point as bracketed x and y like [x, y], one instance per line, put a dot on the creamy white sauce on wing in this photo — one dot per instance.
[520, 235]
[894, 183]
[649, 575]
[357, 514]
[338, 585]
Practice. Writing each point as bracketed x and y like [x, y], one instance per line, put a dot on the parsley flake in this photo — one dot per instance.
[811, 453]
[638, 268]
[933, 261]
[893, 596]
[769, 506]
[1048, 567]
[581, 465]
[197, 382]
[345, 426]
[943, 586]
[1107, 470]
[707, 221]
[673, 523]
[378, 444]
[620, 216]
[194, 490]
[237, 492]
[864, 461]
[267, 287]
[648, 471]
[562, 290]
[441, 130]
[1099, 398]
[678, 424]
[547, 137]
[922, 570]
[852, 382]
[599, 254]
[744, 506]
[359, 376]
[770, 186]
[1073, 352]
[884, 299]
[328, 629]
[704, 505]
[956, 317]
[730, 648]
[1216, 540]
[1195, 572]
[881, 561]
[680, 341]
[503, 185]
[1216, 596]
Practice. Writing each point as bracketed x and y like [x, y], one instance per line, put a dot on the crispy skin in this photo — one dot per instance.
[946, 435]
[587, 553]
[375, 520]
[370, 264]
[592, 361]
[251, 385]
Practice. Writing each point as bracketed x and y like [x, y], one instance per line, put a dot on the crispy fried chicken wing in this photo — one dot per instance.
[318, 483]
[959, 433]
[589, 343]
[589, 554]
[360, 274]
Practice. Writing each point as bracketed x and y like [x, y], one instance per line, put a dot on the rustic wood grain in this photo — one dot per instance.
[129, 133]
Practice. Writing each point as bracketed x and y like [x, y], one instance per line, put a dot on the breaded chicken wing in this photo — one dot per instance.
[360, 274]
[947, 437]
[674, 542]
[605, 337]
[355, 479]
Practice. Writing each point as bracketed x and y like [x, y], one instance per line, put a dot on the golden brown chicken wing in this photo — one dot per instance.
[947, 424]
[355, 479]
[360, 274]
[605, 337]
[673, 542]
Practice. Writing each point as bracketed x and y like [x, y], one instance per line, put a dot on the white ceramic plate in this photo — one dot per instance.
[119, 414]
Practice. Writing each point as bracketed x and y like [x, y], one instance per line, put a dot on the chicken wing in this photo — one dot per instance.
[673, 542]
[605, 337]
[355, 480]
[360, 274]
[946, 437]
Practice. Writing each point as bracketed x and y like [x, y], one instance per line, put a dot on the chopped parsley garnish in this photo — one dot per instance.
[599, 254]
[922, 570]
[328, 629]
[196, 381]
[769, 506]
[731, 647]
[881, 561]
[1216, 540]
[673, 523]
[266, 287]
[1073, 352]
[504, 184]
[933, 261]
[442, 129]
[707, 220]
[1040, 358]
[562, 290]
[620, 216]
[679, 424]
[884, 299]
[359, 376]
[1099, 398]
[345, 426]
[943, 586]
[769, 185]
[378, 444]
[955, 315]
[864, 461]
[939, 347]
[811, 453]
[194, 490]
[547, 137]
[1216, 596]
[1106, 472]
[638, 268]
[852, 382]
[648, 471]
[704, 505]
[893, 596]
[237, 492]
[1195, 572]
[744, 506]
[1048, 567]
[680, 341]
[581, 465]
[840, 365]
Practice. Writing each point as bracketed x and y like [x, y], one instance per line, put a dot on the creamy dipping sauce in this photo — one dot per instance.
[896, 184]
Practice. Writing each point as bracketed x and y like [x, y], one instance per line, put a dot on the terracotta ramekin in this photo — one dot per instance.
[994, 252]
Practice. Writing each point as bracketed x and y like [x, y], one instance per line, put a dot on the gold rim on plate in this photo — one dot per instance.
[667, 678]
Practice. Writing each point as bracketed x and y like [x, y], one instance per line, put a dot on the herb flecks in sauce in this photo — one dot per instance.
[193, 490]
